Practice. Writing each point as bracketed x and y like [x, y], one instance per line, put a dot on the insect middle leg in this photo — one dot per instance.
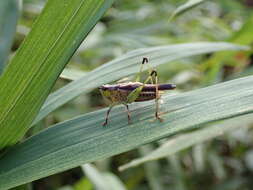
[128, 114]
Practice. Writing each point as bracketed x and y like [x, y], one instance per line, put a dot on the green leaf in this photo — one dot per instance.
[152, 170]
[8, 20]
[82, 184]
[72, 74]
[184, 141]
[178, 172]
[185, 7]
[83, 139]
[126, 65]
[102, 181]
[213, 65]
[28, 79]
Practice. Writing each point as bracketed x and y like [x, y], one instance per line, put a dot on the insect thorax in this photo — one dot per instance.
[120, 95]
[115, 96]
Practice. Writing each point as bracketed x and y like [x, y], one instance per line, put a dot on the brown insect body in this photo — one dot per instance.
[119, 92]
[145, 96]
[121, 96]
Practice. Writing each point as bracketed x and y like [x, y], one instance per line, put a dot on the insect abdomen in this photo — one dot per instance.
[144, 96]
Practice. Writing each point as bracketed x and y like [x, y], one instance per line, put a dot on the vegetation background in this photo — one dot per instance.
[216, 155]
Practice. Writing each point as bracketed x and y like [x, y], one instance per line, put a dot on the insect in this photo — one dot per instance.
[128, 92]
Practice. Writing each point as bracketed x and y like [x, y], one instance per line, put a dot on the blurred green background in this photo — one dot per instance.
[225, 162]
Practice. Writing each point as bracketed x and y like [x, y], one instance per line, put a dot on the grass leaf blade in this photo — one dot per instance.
[28, 79]
[83, 139]
[8, 20]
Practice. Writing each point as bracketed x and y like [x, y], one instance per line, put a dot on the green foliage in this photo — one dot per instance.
[83, 139]
[178, 143]
[188, 5]
[102, 181]
[206, 134]
[8, 20]
[28, 79]
[126, 65]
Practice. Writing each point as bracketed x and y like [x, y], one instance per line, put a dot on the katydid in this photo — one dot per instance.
[126, 93]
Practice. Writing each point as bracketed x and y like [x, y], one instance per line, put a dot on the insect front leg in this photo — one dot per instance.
[107, 115]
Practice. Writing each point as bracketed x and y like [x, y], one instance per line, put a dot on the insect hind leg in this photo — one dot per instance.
[144, 60]
[135, 93]
[157, 97]
[152, 72]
